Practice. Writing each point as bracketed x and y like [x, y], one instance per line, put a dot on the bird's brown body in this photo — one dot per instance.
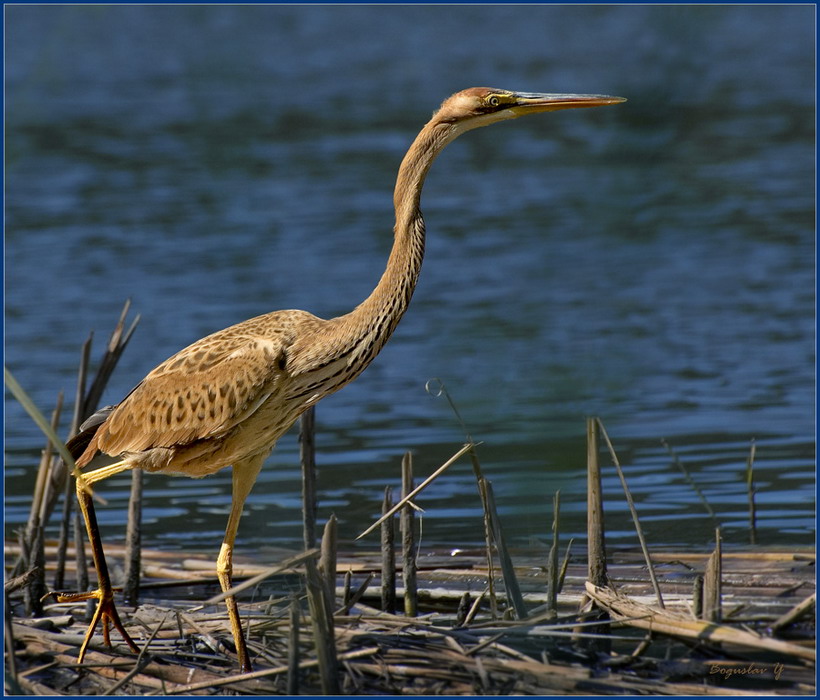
[226, 399]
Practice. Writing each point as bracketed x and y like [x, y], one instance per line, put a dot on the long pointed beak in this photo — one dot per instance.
[533, 102]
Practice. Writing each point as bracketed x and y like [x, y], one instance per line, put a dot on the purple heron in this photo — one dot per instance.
[226, 399]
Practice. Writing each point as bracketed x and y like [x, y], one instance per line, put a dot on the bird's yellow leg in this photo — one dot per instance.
[106, 611]
[104, 472]
[244, 477]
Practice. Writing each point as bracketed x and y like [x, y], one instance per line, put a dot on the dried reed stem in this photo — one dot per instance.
[488, 533]
[68, 487]
[408, 538]
[116, 346]
[133, 540]
[388, 558]
[697, 597]
[327, 563]
[293, 648]
[798, 611]
[565, 565]
[596, 545]
[307, 454]
[552, 559]
[712, 583]
[34, 530]
[595, 510]
[505, 561]
[321, 618]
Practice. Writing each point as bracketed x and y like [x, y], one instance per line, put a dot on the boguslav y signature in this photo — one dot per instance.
[751, 669]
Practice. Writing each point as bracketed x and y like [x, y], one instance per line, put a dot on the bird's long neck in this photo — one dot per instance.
[349, 343]
[377, 316]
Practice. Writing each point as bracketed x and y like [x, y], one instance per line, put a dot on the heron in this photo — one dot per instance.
[226, 399]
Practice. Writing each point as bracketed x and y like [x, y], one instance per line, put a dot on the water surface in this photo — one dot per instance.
[650, 263]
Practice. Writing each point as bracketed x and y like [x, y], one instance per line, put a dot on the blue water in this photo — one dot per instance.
[650, 263]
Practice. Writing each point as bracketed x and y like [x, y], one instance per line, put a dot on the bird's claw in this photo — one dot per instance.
[106, 612]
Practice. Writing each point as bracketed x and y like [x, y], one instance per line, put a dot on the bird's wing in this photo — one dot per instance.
[201, 392]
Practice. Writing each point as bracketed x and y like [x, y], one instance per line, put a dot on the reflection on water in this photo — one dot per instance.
[651, 263]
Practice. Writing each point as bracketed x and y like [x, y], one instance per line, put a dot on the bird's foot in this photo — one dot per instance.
[106, 611]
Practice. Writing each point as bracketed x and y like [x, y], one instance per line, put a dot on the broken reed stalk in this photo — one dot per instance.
[34, 530]
[596, 545]
[327, 563]
[505, 561]
[293, 648]
[750, 487]
[307, 456]
[565, 565]
[596, 554]
[346, 592]
[116, 346]
[321, 618]
[488, 530]
[133, 541]
[408, 537]
[358, 594]
[798, 611]
[68, 487]
[34, 592]
[697, 597]
[634, 512]
[35, 517]
[388, 558]
[10, 651]
[14, 584]
[712, 583]
[55, 485]
[552, 559]
[462, 610]
[679, 625]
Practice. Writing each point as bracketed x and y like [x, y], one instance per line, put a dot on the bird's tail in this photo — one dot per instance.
[78, 445]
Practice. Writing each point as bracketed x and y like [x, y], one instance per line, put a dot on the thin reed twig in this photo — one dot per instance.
[416, 491]
[752, 490]
[689, 480]
[634, 512]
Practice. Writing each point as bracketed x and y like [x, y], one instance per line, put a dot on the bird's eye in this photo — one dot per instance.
[493, 101]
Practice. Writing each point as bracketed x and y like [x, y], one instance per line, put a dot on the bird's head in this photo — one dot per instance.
[481, 106]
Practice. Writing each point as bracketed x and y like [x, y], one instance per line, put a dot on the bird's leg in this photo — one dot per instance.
[244, 476]
[106, 611]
